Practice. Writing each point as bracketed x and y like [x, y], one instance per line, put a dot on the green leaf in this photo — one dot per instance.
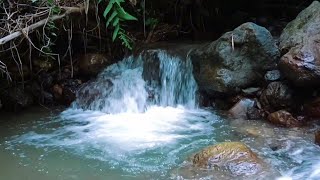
[124, 15]
[115, 32]
[115, 22]
[113, 15]
[108, 8]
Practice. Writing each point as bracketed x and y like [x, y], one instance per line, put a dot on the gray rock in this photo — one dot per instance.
[299, 42]
[273, 75]
[236, 60]
[240, 109]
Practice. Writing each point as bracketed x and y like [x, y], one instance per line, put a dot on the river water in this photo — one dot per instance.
[117, 130]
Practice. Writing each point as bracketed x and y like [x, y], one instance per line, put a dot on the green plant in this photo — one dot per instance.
[114, 13]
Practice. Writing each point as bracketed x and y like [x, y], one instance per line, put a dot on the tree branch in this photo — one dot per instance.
[32, 27]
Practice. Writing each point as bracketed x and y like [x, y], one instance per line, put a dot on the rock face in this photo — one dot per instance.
[236, 60]
[283, 118]
[235, 157]
[300, 42]
[15, 99]
[92, 64]
[276, 96]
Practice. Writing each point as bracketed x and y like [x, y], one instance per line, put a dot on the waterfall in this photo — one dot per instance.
[153, 78]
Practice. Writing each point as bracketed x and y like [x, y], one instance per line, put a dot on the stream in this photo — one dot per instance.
[117, 130]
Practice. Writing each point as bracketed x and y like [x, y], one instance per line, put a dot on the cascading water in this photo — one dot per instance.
[139, 120]
[121, 88]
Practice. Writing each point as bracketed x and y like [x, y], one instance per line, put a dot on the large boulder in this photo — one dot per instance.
[92, 63]
[234, 157]
[300, 42]
[236, 60]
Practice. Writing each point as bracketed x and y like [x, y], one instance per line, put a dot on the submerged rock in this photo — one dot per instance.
[234, 157]
[276, 96]
[300, 42]
[92, 63]
[283, 118]
[236, 60]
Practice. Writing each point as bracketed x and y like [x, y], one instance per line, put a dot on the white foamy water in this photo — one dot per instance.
[122, 126]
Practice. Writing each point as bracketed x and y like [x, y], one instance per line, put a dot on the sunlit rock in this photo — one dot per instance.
[300, 42]
[235, 61]
[234, 157]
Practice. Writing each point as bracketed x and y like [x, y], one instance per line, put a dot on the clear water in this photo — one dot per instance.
[115, 131]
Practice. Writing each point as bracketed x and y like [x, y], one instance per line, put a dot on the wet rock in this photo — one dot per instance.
[312, 109]
[273, 75]
[92, 63]
[234, 157]
[220, 67]
[283, 118]
[15, 99]
[300, 42]
[90, 93]
[240, 109]
[317, 138]
[69, 90]
[276, 96]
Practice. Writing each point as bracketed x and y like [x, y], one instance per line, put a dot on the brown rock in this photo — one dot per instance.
[234, 157]
[93, 63]
[317, 138]
[300, 41]
[283, 118]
